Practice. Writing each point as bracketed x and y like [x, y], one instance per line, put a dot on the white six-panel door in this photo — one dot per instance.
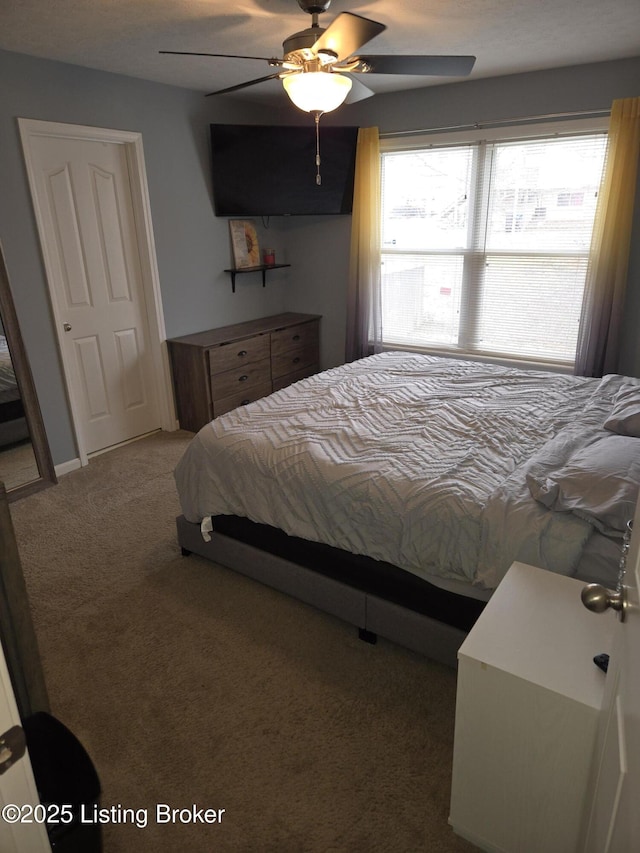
[613, 820]
[84, 198]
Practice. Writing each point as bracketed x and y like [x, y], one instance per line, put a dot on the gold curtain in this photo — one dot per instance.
[363, 295]
[606, 282]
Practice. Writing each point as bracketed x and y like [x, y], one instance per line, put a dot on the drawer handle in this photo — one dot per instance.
[245, 402]
[243, 378]
[296, 337]
[296, 359]
[242, 353]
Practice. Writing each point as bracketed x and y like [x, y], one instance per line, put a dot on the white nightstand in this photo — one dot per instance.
[527, 708]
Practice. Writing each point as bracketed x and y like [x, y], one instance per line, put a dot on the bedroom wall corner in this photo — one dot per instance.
[192, 244]
[319, 253]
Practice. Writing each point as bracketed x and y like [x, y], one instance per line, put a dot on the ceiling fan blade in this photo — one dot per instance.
[358, 91]
[223, 55]
[346, 34]
[245, 85]
[428, 66]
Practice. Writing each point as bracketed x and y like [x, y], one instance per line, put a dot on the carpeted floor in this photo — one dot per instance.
[191, 685]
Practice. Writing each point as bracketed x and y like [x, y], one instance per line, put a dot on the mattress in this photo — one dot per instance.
[422, 462]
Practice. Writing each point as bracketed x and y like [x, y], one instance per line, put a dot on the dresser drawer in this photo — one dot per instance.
[293, 360]
[290, 378]
[240, 398]
[231, 355]
[234, 381]
[219, 369]
[295, 337]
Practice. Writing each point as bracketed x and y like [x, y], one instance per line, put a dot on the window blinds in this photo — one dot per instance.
[485, 245]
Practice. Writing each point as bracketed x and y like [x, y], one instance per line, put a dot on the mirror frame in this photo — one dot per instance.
[30, 402]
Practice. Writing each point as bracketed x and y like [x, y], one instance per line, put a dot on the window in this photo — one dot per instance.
[485, 245]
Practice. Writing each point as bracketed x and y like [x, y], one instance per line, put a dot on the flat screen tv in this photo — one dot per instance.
[267, 170]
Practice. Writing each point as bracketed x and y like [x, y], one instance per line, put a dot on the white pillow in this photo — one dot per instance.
[598, 482]
[625, 415]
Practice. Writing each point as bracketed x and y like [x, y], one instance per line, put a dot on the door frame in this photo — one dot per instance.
[132, 142]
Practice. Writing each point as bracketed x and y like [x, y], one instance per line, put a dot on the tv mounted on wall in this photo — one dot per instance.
[267, 170]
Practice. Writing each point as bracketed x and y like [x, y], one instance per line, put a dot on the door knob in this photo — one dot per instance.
[67, 327]
[598, 599]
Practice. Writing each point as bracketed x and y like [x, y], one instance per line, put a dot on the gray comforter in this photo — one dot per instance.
[417, 460]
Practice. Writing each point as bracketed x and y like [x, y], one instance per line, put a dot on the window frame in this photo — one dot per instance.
[516, 132]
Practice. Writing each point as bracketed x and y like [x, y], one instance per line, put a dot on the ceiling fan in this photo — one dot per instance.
[316, 61]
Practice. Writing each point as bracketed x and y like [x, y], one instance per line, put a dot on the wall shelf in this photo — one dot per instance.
[260, 268]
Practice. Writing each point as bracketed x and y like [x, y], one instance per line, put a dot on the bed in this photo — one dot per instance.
[13, 423]
[396, 491]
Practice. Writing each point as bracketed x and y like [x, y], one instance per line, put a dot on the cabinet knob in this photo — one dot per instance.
[598, 599]
[296, 359]
[243, 378]
[296, 337]
[242, 353]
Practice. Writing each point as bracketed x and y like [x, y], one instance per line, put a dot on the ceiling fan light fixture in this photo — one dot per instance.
[317, 91]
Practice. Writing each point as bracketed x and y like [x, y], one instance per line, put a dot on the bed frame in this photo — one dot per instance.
[377, 598]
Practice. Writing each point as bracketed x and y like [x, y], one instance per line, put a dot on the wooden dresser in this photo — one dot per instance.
[218, 370]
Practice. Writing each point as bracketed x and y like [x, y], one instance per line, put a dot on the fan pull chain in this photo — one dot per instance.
[318, 176]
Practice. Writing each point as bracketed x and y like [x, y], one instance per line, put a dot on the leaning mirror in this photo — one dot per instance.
[25, 461]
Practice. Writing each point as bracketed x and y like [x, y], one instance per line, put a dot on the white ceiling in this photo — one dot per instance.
[124, 36]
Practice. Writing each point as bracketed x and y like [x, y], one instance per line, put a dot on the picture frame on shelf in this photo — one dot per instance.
[244, 243]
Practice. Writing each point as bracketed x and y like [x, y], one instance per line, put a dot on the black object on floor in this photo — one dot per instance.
[602, 662]
[65, 776]
[367, 636]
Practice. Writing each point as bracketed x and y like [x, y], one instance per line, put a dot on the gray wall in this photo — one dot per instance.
[562, 90]
[192, 244]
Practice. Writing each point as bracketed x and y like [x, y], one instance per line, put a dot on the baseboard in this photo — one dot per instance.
[68, 467]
